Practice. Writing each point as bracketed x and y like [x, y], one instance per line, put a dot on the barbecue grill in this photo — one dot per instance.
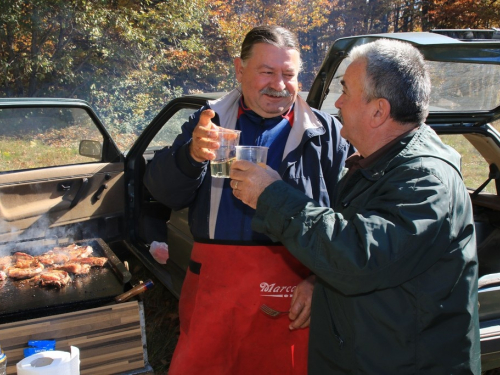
[20, 299]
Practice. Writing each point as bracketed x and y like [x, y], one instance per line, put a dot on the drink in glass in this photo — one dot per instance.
[224, 156]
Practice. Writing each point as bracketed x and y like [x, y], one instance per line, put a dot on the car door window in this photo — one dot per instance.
[165, 137]
[475, 169]
[46, 137]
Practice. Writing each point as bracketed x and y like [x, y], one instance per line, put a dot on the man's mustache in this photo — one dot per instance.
[339, 115]
[283, 93]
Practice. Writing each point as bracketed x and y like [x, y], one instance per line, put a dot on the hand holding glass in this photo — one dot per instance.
[228, 140]
[255, 154]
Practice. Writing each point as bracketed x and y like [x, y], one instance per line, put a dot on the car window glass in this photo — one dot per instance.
[335, 88]
[496, 125]
[475, 170]
[44, 137]
[463, 86]
[171, 129]
[455, 87]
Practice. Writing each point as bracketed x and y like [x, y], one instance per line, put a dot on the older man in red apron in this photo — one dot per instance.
[234, 270]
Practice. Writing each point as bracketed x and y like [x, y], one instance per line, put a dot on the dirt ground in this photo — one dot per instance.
[161, 318]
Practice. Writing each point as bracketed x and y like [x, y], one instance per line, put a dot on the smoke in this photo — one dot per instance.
[37, 237]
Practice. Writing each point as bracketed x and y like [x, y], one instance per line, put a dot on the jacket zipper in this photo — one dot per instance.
[334, 327]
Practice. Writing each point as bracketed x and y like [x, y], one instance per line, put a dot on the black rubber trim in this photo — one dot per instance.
[194, 267]
[237, 243]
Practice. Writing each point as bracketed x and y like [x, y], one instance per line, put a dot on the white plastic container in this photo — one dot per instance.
[3, 363]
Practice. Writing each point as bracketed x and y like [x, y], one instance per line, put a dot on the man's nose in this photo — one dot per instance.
[338, 102]
[277, 83]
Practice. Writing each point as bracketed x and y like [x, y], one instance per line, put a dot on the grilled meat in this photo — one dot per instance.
[93, 261]
[74, 251]
[23, 260]
[73, 267]
[53, 257]
[60, 262]
[24, 273]
[55, 278]
[24, 266]
[5, 262]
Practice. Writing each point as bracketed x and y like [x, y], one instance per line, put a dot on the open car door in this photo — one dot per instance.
[61, 175]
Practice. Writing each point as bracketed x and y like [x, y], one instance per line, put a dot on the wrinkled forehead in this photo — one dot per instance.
[272, 55]
[355, 75]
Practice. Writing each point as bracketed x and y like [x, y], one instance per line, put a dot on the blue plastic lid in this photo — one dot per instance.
[2, 355]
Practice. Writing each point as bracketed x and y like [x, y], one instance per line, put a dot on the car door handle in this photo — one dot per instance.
[79, 193]
[99, 192]
[64, 186]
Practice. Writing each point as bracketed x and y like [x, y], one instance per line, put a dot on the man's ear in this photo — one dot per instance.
[381, 112]
[238, 68]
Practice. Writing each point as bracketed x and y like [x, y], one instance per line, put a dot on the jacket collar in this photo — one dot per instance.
[305, 121]
[423, 142]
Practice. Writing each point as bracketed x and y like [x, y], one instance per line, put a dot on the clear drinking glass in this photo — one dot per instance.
[255, 154]
[226, 153]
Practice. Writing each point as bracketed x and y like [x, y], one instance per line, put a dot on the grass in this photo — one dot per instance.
[474, 168]
[21, 154]
[60, 147]
[50, 148]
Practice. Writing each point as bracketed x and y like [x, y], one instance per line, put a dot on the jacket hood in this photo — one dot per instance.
[424, 143]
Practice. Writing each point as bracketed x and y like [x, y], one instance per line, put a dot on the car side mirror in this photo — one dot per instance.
[91, 149]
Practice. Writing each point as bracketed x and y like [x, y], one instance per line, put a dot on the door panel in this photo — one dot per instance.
[152, 221]
[34, 201]
[60, 173]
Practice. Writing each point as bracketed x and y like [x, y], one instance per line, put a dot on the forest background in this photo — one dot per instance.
[128, 58]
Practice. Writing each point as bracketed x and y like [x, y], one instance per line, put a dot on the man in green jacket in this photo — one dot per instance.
[395, 257]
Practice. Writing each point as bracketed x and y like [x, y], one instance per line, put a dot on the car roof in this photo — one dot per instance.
[438, 37]
[44, 102]
[470, 34]
[207, 95]
[418, 38]
[433, 46]
[41, 101]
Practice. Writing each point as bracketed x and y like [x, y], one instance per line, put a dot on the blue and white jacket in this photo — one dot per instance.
[312, 159]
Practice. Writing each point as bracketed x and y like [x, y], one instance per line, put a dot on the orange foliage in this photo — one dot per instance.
[234, 18]
[464, 13]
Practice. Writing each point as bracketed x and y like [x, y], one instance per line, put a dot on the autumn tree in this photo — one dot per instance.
[234, 18]
[126, 57]
[130, 57]
[458, 14]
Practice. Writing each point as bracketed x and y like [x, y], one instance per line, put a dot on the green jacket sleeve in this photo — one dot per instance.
[387, 237]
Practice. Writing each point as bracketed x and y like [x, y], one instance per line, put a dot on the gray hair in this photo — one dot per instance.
[274, 35]
[396, 71]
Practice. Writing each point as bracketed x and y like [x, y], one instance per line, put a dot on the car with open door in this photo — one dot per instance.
[67, 179]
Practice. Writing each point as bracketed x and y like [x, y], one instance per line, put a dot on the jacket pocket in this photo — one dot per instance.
[332, 319]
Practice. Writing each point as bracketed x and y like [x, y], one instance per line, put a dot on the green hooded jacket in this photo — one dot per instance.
[395, 260]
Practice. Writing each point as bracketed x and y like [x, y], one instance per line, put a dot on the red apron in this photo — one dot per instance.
[223, 331]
